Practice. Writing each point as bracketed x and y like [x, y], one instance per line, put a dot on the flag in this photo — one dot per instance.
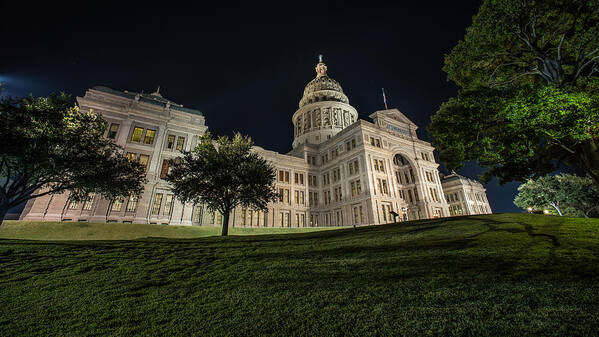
[384, 98]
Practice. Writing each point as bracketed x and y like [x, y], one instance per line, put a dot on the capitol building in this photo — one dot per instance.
[341, 170]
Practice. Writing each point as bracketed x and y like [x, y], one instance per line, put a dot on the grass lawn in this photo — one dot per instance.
[506, 274]
[30, 230]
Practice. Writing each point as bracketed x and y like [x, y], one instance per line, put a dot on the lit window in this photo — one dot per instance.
[132, 204]
[117, 205]
[149, 138]
[156, 205]
[131, 156]
[165, 168]
[72, 205]
[168, 205]
[170, 142]
[87, 205]
[136, 135]
[143, 160]
[113, 130]
[180, 142]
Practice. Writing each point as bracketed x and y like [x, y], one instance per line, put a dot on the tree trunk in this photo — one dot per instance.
[3, 211]
[559, 211]
[590, 159]
[225, 231]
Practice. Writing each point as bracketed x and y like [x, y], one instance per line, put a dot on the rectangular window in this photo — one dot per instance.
[170, 142]
[131, 156]
[87, 205]
[353, 143]
[117, 204]
[281, 176]
[156, 204]
[180, 142]
[164, 170]
[297, 197]
[243, 212]
[143, 160]
[149, 138]
[385, 190]
[378, 143]
[168, 204]
[136, 135]
[281, 195]
[286, 176]
[286, 196]
[72, 205]
[132, 204]
[112, 131]
[358, 187]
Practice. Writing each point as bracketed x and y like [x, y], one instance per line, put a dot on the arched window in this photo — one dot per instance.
[400, 160]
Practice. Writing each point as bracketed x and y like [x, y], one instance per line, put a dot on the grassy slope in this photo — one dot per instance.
[120, 231]
[510, 274]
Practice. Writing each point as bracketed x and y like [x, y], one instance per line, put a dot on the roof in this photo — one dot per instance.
[454, 176]
[154, 99]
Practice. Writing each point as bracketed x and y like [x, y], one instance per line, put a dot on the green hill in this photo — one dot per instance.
[27, 230]
[506, 274]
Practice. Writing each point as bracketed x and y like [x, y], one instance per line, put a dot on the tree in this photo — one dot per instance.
[580, 194]
[540, 193]
[223, 174]
[528, 73]
[48, 146]
[566, 193]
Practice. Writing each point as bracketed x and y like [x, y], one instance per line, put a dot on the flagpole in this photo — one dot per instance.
[384, 98]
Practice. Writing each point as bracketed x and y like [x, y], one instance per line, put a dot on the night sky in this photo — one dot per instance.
[245, 73]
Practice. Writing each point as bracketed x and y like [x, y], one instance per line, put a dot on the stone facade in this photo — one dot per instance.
[152, 130]
[465, 196]
[341, 170]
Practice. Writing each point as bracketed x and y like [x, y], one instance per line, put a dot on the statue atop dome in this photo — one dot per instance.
[321, 68]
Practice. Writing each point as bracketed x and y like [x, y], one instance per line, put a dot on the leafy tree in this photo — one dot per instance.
[580, 194]
[223, 174]
[48, 146]
[540, 193]
[529, 98]
[566, 193]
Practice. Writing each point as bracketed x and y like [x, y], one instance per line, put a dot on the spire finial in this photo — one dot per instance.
[157, 92]
[321, 68]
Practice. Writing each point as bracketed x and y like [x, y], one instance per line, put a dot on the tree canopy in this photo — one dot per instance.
[48, 146]
[564, 192]
[222, 175]
[528, 73]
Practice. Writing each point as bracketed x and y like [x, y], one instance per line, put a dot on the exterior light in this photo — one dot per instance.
[546, 212]
[529, 209]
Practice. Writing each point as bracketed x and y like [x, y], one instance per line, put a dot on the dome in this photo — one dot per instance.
[322, 88]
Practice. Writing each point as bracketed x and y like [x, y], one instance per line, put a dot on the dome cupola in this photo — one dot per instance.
[324, 109]
[322, 88]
